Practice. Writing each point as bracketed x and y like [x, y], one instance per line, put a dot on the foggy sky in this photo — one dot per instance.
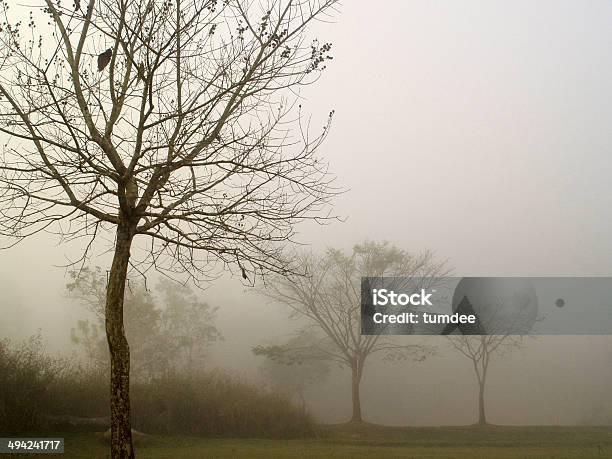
[478, 129]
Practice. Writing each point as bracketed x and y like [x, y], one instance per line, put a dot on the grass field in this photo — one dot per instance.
[373, 441]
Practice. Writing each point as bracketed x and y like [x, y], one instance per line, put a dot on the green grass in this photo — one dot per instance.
[373, 441]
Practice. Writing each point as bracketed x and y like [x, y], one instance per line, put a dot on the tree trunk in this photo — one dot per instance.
[121, 433]
[302, 400]
[482, 418]
[356, 381]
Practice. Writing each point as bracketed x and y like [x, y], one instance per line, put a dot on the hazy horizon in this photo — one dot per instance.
[476, 129]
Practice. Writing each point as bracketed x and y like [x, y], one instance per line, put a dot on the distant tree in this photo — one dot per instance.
[187, 323]
[168, 331]
[295, 377]
[480, 350]
[169, 128]
[329, 299]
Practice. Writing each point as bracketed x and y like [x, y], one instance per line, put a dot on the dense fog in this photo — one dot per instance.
[479, 130]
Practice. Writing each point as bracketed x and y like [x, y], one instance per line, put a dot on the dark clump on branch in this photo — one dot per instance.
[104, 59]
[141, 72]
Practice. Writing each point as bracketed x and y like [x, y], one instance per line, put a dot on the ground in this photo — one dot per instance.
[373, 441]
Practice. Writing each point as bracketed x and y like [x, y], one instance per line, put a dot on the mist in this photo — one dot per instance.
[476, 129]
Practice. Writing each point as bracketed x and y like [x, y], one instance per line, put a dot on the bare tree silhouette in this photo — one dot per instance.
[481, 349]
[175, 126]
[329, 298]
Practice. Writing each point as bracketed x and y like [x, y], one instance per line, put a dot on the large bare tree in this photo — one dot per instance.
[173, 126]
[328, 297]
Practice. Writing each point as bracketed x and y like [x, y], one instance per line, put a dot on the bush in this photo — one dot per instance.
[26, 375]
[215, 404]
[81, 392]
[37, 388]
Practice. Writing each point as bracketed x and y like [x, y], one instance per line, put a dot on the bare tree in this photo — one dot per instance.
[329, 298]
[173, 126]
[506, 316]
[480, 349]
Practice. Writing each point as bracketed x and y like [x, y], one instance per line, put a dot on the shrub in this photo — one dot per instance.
[215, 404]
[35, 387]
[26, 374]
[80, 391]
